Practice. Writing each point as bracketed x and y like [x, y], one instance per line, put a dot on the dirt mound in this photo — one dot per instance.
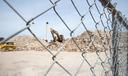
[84, 42]
[87, 41]
[28, 43]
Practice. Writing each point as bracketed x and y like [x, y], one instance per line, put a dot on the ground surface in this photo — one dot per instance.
[36, 63]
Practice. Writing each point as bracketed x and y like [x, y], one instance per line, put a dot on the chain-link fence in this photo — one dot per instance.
[120, 46]
[107, 42]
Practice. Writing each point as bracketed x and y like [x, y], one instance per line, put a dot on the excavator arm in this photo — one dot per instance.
[56, 36]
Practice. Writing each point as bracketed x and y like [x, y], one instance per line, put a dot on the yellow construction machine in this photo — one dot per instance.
[7, 46]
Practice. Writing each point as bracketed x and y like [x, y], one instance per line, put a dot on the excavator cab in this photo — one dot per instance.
[1, 38]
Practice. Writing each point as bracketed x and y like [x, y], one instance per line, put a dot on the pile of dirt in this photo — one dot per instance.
[90, 41]
[28, 43]
[84, 42]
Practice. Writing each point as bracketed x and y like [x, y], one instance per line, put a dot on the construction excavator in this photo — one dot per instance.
[7, 45]
[56, 36]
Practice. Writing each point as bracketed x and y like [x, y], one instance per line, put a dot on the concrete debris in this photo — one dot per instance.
[85, 42]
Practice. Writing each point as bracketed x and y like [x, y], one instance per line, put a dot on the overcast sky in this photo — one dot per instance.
[11, 23]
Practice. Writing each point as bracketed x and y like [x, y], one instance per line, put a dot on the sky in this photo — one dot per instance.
[10, 22]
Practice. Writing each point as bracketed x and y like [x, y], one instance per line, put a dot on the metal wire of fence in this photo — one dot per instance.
[120, 47]
[113, 38]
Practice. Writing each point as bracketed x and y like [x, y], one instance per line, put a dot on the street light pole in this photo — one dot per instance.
[46, 31]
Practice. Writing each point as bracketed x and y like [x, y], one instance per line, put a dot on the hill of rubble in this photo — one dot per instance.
[91, 41]
[28, 43]
[87, 41]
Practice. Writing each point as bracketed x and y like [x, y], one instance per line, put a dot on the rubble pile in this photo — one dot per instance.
[84, 42]
[28, 43]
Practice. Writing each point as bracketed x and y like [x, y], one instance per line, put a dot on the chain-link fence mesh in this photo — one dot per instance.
[107, 43]
[120, 47]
